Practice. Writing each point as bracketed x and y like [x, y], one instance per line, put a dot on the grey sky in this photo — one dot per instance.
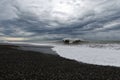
[51, 19]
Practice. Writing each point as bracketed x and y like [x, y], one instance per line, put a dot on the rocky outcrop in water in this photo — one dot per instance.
[71, 41]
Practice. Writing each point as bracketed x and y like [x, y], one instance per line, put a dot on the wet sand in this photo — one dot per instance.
[16, 64]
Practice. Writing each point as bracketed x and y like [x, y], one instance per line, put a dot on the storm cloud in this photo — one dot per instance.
[57, 19]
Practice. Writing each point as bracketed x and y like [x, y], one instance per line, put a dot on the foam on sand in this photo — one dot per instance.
[99, 56]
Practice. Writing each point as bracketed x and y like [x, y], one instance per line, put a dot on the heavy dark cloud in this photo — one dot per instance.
[56, 19]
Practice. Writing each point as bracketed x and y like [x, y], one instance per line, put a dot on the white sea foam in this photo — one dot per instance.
[98, 56]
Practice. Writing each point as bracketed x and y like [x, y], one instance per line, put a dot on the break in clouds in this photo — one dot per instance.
[57, 19]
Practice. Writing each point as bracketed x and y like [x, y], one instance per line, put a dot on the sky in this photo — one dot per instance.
[37, 20]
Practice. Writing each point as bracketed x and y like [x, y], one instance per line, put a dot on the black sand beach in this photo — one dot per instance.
[28, 65]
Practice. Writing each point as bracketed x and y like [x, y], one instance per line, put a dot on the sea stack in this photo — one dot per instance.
[71, 41]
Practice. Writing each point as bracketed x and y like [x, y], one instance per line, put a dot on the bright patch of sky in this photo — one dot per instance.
[89, 19]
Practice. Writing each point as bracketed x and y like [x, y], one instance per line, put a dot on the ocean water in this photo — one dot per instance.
[102, 54]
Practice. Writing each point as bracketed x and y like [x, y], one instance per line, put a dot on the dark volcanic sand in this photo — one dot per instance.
[27, 65]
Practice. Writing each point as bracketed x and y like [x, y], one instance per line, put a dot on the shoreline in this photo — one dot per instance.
[80, 53]
[25, 65]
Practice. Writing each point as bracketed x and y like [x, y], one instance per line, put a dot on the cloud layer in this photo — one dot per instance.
[56, 19]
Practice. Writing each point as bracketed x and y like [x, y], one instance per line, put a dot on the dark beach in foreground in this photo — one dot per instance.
[28, 65]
